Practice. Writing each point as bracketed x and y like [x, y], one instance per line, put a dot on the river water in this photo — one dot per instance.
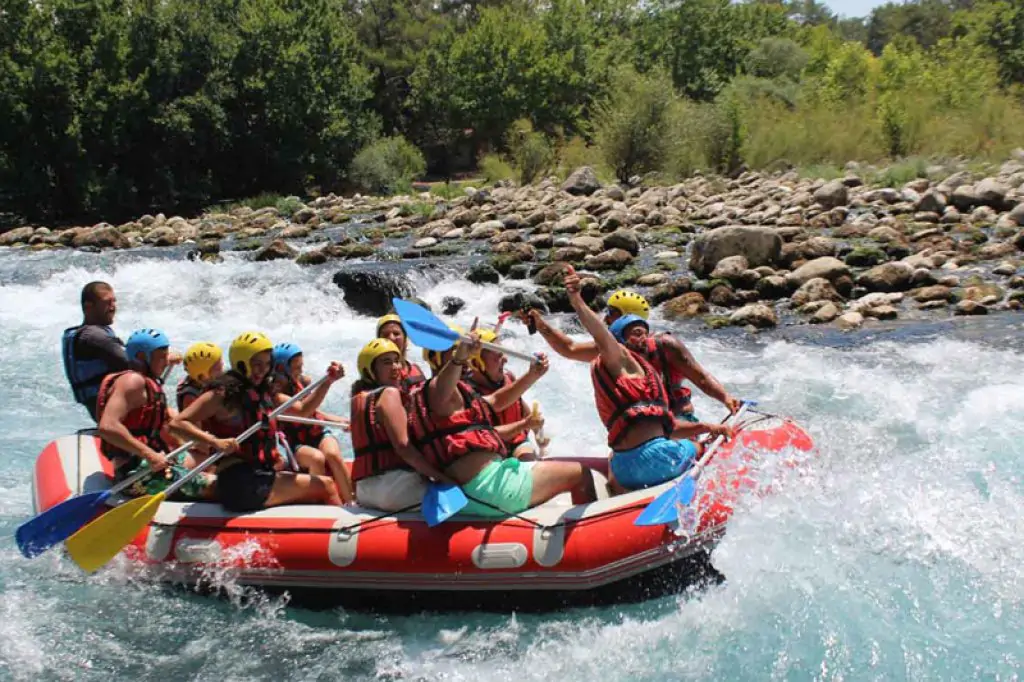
[897, 554]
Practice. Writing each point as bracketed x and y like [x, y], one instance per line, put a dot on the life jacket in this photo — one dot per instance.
[627, 400]
[83, 375]
[300, 434]
[442, 440]
[412, 376]
[517, 411]
[374, 453]
[260, 449]
[655, 352]
[187, 389]
[144, 423]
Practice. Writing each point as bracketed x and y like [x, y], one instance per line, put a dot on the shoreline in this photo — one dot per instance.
[757, 252]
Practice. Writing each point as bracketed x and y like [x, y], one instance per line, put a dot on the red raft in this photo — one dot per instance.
[553, 555]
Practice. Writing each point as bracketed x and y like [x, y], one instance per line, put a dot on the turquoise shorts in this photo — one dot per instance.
[506, 484]
[654, 462]
[687, 417]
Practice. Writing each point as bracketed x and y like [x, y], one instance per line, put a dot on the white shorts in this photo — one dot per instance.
[392, 490]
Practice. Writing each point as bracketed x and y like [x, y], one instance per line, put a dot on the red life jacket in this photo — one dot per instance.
[187, 389]
[144, 423]
[517, 411]
[678, 394]
[374, 453]
[300, 434]
[412, 376]
[260, 449]
[442, 440]
[627, 400]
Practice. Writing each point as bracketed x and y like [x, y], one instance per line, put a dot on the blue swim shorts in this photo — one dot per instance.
[656, 461]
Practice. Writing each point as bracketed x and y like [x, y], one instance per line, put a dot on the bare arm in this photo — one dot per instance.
[507, 395]
[306, 407]
[393, 418]
[442, 393]
[608, 347]
[682, 358]
[559, 341]
[206, 406]
[128, 393]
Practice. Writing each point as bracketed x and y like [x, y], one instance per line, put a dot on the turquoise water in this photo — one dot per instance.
[898, 554]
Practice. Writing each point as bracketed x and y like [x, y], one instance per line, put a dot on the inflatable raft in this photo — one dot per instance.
[557, 554]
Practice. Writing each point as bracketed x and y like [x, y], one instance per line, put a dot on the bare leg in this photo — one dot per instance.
[525, 452]
[292, 488]
[331, 450]
[311, 459]
[551, 478]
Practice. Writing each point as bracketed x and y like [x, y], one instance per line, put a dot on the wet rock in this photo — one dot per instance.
[885, 233]
[613, 259]
[368, 289]
[969, 307]
[850, 320]
[755, 314]
[592, 245]
[759, 245]
[991, 192]
[931, 202]
[313, 257]
[100, 237]
[521, 300]
[16, 236]
[882, 312]
[965, 198]
[690, 304]
[722, 296]
[551, 275]
[825, 313]
[652, 279]
[425, 243]
[451, 305]
[275, 250]
[613, 220]
[772, 287]
[865, 256]
[483, 273]
[569, 254]
[582, 182]
[831, 194]
[817, 289]
[1016, 214]
[936, 292]
[887, 277]
[997, 250]
[296, 231]
[671, 289]
[828, 268]
[570, 224]
[730, 268]
[1004, 269]
[624, 239]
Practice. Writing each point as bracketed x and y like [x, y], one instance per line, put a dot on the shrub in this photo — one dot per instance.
[387, 166]
[494, 168]
[531, 151]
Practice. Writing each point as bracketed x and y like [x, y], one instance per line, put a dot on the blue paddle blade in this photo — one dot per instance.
[424, 328]
[441, 502]
[665, 507]
[57, 524]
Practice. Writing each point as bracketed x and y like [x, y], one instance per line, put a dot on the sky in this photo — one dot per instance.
[853, 8]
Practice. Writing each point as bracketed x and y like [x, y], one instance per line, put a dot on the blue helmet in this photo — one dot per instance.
[145, 341]
[618, 327]
[283, 354]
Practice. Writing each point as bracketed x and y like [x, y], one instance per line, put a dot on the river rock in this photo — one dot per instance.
[825, 313]
[817, 289]
[673, 288]
[162, 236]
[625, 239]
[588, 243]
[520, 300]
[831, 194]
[369, 288]
[758, 315]
[730, 268]
[451, 305]
[299, 231]
[275, 250]
[969, 307]
[887, 277]
[885, 233]
[652, 279]
[16, 236]
[827, 268]
[865, 256]
[1016, 214]
[483, 273]
[612, 259]
[850, 320]
[991, 192]
[1004, 269]
[935, 292]
[685, 306]
[425, 243]
[759, 245]
[931, 202]
[882, 312]
[772, 288]
[582, 182]
[104, 237]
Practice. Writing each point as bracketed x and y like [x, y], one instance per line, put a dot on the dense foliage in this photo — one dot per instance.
[115, 107]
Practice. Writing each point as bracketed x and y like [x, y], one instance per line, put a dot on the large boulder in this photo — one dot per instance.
[102, 237]
[831, 194]
[759, 245]
[369, 288]
[582, 182]
[887, 277]
[16, 236]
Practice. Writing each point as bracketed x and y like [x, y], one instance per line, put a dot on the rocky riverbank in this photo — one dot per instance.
[757, 250]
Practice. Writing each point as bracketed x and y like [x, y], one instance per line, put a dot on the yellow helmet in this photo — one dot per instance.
[629, 303]
[434, 358]
[390, 317]
[200, 359]
[244, 347]
[371, 352]
[487, 336]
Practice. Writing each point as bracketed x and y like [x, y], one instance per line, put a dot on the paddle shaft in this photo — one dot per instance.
[294, 419]
[706, 457]
[245, 435]
[538, 435]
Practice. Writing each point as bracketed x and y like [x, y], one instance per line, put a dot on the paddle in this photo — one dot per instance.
[97, 543]
[426, 330]
[664, 508]
[57, 524]
[538, 436]
[295, 419]
[441, 502]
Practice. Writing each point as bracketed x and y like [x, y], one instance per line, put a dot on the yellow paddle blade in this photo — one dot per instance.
[100, 541]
